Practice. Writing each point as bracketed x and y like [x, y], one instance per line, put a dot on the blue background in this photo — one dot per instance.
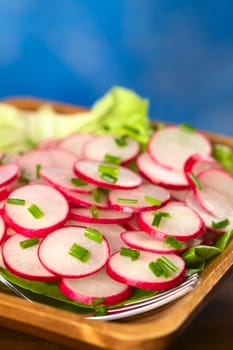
[179, 54]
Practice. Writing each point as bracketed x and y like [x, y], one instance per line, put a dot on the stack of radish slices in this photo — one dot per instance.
[74, 212]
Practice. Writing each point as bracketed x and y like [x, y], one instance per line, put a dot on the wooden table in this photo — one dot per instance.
[210, 329]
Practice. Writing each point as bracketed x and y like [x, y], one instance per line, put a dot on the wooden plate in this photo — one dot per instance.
[153, 330]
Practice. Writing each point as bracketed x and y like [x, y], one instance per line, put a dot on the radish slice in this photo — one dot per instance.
[48, 144]
[183, 223]
[88, 171]
[172, 146]
[2, 229]
[1, 258]
[75, 144]
[179, 195]
[171, 179]
[140, 240]
[24, 262]
[99, 285]
[98, 147]
[61, 178]
[87, 199]
[198, 163]
[104, 216]
[138, 195]
[54, 253]
[8, 174]
[138, 274]
[132, 225]
[51, 203]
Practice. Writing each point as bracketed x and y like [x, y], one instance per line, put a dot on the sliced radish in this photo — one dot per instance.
[87, 199]
[99, 285]
[143, 196]
[51, 203]
[171, 179]
[2, 229]
[63, 264]
[4, 192]
[75, 143]
[88, 171]
[183, 223]
[64, 179]
[179, 195]
[1, 258]
[197, 163]
[140, 240]
[48, 144]
[172, 146]
[132, 225]
[24, 262]
[8, 174]
[103, 145]
[138, 274]
[102, 217]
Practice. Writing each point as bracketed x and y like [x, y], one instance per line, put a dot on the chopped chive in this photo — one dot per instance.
[127, 200]
[23, 179]
[168, 263]
[220, 224]
[158, 216]
[27, 243]
[187, 127]
[195, 180]
[78, 182]
[94, 211]
[96, 195]
[155, 268]
[93, 234]
[108, 169]
[152, 200]
[109, 158]
[109, 178]
[79, 252]
[35, 211]
[98, 301]
[164, 268]
[131, 130]
[16, 201]
[100, 310]
[121, 141]
[173, 242]
[131, 253]
[38, 167]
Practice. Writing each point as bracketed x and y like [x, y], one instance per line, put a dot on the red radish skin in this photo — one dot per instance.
[2, 229]
[138, 194]
[137, 273]
[87, 199]
[132, 225]
[75, 144]
[172, 146]
[170, 179]
[8, 174]
[24, 262]
[98, 147]
[88, 171]
[104, 216]
[50, 201]
[99, 285]
[141, 241]
[184, 224]
[61, 263]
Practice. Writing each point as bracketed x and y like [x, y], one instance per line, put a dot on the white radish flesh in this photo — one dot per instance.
[99, 285]
[136, 273]
[88, 171]
[51, 203]
[8, 174]
[102, 217]
[54, 253]
[172, 146]
[75, 144]
[87, 199]
[24, 262]
[183, 223]
[171, 179]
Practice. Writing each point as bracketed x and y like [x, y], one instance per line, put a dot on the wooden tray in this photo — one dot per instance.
[154, 330]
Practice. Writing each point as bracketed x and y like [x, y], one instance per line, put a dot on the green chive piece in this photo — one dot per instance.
[131, 130]
[173, 242]
[127, 200]
[164, 268]
[96, 195]
[109, 178]
[152, 201]
[93, 234]
[78, 182]
[109, 158]
[35, 211]
[38, 167]
[121, 141]
[27, 243]
[100, 310]
[98, 301]
[187, 127]
[220, 224]
[158, 216]
[16, 201]
[195, 180]
[79, 252]
[224, 240]
[23, 179]
[131, 253]
[169, 263]
[155, 268]
[108, 169]
[94, 212]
